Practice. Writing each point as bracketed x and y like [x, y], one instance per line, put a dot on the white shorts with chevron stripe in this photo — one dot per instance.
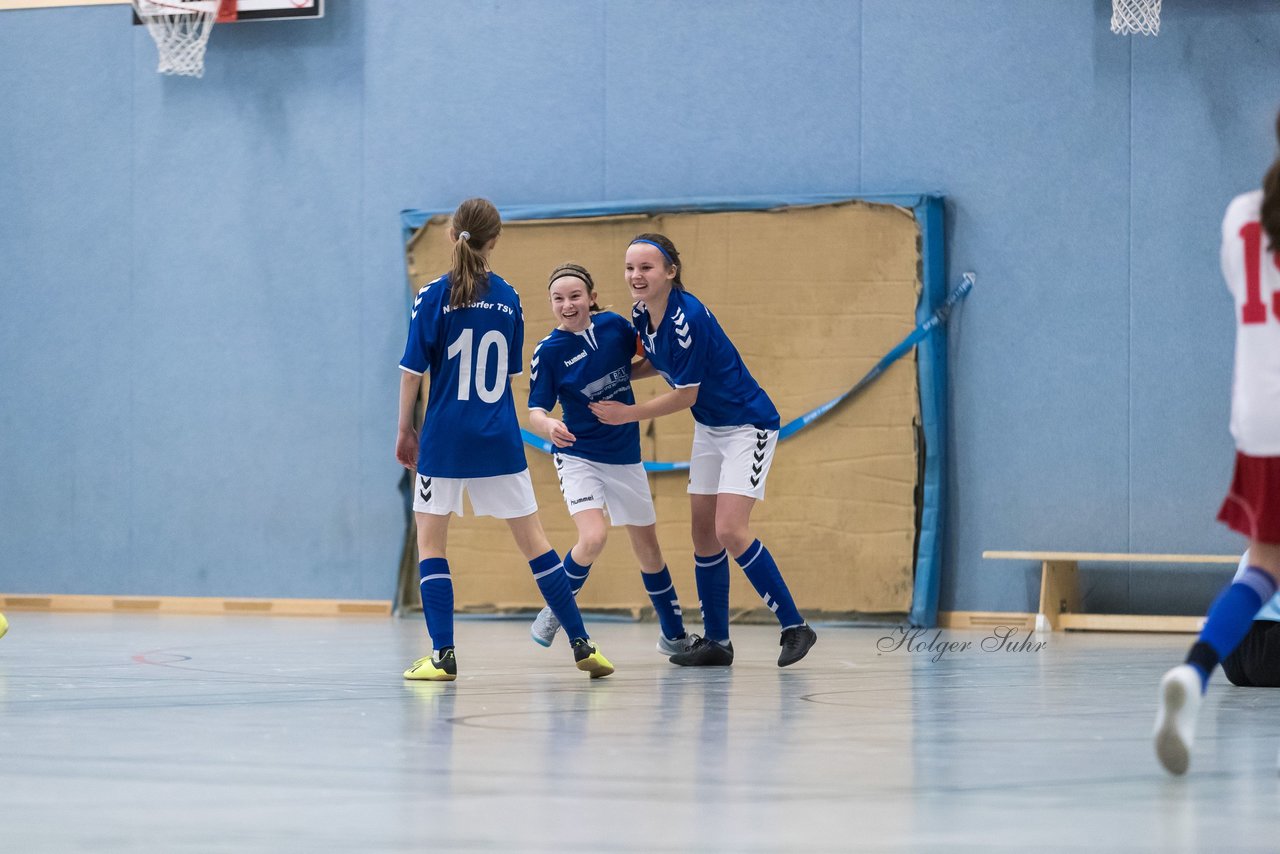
[731, 459]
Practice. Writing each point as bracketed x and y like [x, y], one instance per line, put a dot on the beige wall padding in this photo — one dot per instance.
[812, 297]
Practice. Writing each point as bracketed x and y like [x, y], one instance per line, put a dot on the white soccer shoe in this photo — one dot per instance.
[669, 647]
[544, 628]
[1176, 718]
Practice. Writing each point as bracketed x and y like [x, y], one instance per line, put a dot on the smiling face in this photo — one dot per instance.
[571, 303]
[648, 275]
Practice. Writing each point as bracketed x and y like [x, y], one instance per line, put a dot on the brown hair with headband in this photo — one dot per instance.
[669, 253]
[577, 271]
[475, 223]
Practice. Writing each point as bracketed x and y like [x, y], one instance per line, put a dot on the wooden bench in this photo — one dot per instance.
[1060, 591]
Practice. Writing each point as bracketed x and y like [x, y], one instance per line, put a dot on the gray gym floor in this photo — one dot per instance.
[122, 733]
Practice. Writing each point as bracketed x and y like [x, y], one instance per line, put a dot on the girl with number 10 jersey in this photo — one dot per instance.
[467, 331]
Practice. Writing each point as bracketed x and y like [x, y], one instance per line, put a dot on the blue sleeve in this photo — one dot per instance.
[422, 333]
[542, 380]
[515, 358]
[691, 343]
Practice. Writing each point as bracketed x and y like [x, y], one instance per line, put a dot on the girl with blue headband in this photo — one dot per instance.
[587, 358]
[735, 433]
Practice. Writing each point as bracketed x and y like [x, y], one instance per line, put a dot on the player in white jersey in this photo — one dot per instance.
[586, 358]
[467, 330]
[1251, 267]
[735, 432]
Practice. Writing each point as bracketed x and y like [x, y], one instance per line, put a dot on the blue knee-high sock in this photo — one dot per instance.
[548, 571]
[437, 600]
[712, 576]
[1229, 619]
[662, 592]
[577, 572]
[762, 572]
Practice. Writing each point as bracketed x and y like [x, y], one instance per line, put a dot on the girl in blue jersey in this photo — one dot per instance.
[587, 358]
[467, 329]
[735, 432]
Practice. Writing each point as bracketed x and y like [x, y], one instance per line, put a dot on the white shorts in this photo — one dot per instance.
[507, 496]
[622, 491]
[730, 459]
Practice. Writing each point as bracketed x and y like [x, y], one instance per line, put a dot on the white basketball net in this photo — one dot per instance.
[181, 30]
[1131, 17]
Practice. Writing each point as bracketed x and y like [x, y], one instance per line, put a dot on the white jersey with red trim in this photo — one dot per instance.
[1253, 277]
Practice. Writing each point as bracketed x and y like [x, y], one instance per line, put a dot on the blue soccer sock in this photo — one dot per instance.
[437, 600]
[548, 571]
[712, 575]
[762, 572]
[1229, 619]
[577, 572]
[662, 592]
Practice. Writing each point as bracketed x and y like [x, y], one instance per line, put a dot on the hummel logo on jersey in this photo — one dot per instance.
[575, 359]
[683, 338]
[422, 292]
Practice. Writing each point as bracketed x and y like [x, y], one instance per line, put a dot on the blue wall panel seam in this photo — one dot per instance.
[859, 180]
[604, 102]
[130, 540]
[361, 371]
[1128, 486]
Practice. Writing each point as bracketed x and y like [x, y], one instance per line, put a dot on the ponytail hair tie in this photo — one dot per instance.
[465, 235]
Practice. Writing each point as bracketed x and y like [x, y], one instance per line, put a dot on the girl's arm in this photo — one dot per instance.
[554, 430]
[407, 432]
[612, 412]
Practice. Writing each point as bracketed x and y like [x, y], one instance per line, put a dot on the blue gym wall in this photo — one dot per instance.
[202, 298]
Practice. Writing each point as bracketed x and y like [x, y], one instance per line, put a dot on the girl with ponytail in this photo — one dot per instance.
[467, 331]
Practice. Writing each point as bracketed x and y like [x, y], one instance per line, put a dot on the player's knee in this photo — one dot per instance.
[734, 537]
[590, 544]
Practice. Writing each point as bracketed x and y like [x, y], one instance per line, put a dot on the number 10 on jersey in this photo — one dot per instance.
[1255, 311]
[489, 342]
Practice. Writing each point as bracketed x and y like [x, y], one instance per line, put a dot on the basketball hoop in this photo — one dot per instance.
[1132, 17]
[181, 30]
